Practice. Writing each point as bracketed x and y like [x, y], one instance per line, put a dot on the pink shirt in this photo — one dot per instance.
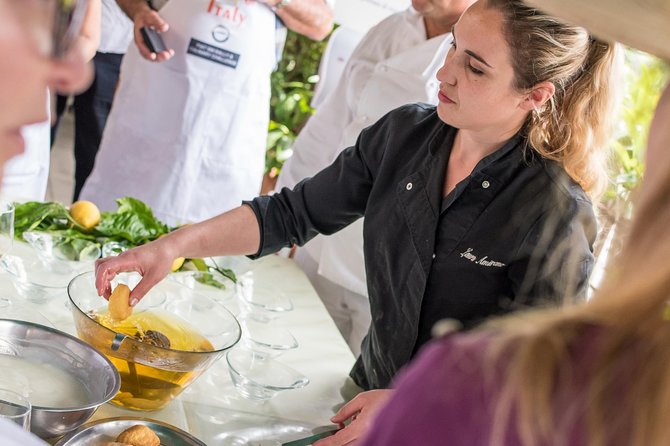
[448, 394]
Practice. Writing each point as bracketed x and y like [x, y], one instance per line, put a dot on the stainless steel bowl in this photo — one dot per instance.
[93, 370]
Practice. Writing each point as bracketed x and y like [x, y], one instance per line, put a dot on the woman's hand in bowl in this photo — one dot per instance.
[152, 261]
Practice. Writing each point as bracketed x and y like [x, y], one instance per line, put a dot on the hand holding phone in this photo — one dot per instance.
[153, 40]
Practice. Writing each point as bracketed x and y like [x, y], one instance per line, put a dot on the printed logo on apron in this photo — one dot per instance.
[220, 33]
[213, 53]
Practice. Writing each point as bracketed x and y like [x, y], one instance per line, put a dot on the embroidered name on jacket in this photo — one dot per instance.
[484, 261]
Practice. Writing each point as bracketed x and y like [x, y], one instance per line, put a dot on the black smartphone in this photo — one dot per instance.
[153, 40]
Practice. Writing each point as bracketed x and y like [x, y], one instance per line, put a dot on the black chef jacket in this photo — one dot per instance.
[517, 231]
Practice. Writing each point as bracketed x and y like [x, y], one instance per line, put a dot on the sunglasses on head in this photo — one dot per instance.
[68, 19]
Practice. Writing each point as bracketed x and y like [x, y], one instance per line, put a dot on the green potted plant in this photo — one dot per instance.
[293, 85]
[644, 78]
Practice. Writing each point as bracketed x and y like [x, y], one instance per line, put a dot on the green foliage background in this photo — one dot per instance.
[645, 77]
[293, 85]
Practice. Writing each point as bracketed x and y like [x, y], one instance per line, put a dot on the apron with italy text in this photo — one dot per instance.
[187, 136]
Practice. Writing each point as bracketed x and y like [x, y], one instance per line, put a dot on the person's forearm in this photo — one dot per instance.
[89, 36]
[132, 7]
[312, 18]
[86, 48]
[235, 232]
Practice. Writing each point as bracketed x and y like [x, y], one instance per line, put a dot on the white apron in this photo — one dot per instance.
[188, 136]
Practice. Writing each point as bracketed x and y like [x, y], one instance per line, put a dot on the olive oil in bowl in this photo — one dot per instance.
[145, 385]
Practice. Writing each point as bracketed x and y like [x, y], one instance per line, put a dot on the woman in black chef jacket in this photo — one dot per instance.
[473, 208]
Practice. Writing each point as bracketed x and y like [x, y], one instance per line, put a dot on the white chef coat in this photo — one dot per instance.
[188, 136]
[394, 64]
[116, 29]
[26, 175]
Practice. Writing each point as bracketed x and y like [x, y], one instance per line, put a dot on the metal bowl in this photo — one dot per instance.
[102, 431]
[36, 343]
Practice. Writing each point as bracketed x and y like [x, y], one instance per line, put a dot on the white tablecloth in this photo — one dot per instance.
[211, 409]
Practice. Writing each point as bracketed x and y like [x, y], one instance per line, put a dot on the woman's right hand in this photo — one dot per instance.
[152, 261]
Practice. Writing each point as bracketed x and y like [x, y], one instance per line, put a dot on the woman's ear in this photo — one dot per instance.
[538, 96]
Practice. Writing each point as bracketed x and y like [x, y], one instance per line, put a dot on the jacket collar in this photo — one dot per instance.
[420, 193]
[427, 55]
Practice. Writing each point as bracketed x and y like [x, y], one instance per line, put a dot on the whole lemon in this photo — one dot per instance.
[177, 263]
[85, 213]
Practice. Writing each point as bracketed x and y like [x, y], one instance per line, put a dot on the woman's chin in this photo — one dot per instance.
[446, 116]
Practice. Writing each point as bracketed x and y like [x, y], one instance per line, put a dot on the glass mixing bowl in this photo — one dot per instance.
[199, 331]
[260, 377]
[33, 280]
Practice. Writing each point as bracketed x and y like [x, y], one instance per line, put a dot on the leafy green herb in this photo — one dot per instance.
[37, 216]
[132, 224]
[200, 264]
[133, 221]
[70, 248]
[209, 279]
[224, 271]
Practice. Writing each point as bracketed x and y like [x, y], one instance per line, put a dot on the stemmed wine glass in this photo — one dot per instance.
[6, 227]
[6, 240]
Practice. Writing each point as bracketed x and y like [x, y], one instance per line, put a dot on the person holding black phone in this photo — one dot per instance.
[187, 131]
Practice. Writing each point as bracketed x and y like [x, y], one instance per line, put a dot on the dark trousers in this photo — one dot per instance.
[91, 109]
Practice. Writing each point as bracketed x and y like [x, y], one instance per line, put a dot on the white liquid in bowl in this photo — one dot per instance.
[42, 384]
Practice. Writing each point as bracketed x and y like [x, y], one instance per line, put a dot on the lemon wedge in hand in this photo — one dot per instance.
[119, 303]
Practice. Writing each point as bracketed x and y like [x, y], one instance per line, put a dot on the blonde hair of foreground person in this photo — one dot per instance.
[632, 304]
[574, 126]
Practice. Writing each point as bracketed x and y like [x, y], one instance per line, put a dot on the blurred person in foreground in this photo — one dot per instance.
[28, 68]
[474, 208]
[394, 64]
[593, 374]
[26, 176]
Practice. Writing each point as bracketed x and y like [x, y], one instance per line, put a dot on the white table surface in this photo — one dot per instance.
[211, 409]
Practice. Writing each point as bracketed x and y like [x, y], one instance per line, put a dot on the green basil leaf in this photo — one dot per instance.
[133, 221]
